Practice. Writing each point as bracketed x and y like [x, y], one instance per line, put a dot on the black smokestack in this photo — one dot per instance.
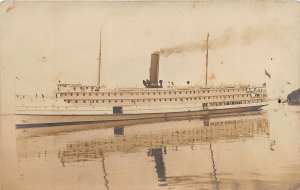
[154, 69]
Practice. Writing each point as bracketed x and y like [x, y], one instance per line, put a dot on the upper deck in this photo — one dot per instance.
[219, 95]
[69, 88]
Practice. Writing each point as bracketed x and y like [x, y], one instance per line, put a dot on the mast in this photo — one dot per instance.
[99, 59]
[206, 58]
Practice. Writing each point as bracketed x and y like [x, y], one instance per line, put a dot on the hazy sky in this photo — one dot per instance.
[43, 42]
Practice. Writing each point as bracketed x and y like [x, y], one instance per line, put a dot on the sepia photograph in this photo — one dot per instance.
[145, 95]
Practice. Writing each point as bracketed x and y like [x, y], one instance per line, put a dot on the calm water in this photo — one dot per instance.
[260, 150]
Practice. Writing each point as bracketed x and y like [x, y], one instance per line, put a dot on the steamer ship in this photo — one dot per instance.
[81, 104]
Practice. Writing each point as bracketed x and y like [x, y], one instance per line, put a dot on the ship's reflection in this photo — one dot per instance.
[155, 140]
[158, 153]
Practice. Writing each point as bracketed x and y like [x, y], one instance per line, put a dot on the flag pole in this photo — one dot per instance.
[99, 59]
[206, 58]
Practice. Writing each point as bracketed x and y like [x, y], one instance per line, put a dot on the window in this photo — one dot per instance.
[115, 94]
[90, 94]
[77, 94]
[71, 94]
[108, 94]
[96, 101]
[83, 101]
[75, 101]
[83, 94]
[121, 101]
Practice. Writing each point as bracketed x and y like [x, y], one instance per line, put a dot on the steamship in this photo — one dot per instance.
[79, 104]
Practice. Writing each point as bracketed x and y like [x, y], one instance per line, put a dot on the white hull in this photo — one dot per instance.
[48, 118]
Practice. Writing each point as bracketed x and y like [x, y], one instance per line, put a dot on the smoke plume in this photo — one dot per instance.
[214, 42]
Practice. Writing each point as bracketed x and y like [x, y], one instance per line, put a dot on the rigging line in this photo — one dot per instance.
[214, 167]
[105, 173]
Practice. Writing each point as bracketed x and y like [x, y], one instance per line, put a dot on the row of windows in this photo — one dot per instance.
[175, 99]
[260, 95]
[97, 94]
[143, 100]
[228, 103]
[152, 93]
[182, 98]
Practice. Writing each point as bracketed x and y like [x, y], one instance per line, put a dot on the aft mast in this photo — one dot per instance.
[99, 59]
[206, 58]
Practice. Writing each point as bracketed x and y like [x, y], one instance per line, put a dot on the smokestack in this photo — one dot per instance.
[154, 70]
